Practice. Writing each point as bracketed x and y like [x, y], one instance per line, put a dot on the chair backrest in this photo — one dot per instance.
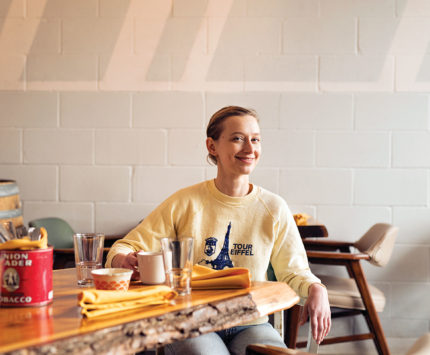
[60, 234]
[421, 346]
[378, 243]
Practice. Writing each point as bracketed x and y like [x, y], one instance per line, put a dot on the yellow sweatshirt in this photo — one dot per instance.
[248, 231]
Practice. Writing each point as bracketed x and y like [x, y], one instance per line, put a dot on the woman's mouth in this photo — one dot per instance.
[247, 160]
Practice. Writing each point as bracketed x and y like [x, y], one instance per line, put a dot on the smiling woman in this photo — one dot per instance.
[233, 224]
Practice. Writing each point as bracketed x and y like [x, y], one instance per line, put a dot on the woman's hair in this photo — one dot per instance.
[215, 125]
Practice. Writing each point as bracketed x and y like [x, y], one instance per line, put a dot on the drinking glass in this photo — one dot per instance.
[178, 263]
[88, 256]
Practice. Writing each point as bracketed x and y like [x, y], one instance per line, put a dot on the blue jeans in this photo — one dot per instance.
[230, 341]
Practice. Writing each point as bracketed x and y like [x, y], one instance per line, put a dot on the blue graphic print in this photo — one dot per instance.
[223, 259]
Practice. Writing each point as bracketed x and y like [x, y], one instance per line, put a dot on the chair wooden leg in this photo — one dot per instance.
[371, 315]
[291, 326]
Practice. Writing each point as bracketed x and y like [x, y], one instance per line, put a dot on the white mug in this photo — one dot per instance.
[151, 267]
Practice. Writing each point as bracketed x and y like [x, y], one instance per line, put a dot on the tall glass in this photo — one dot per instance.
[178, 263]
[88, 256]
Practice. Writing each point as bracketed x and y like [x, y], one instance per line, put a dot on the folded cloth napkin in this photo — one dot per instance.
[206, 278]
[96, 303]
[25, 243]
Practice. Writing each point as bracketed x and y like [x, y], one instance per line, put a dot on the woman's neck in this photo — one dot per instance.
[237, 187]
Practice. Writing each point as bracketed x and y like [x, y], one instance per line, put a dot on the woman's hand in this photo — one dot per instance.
[127, 261]
[317, 308]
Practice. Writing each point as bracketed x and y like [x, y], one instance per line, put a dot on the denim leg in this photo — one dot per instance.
[261, 333]
[206, 344]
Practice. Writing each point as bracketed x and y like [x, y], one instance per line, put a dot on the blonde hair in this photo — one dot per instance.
[215, 125]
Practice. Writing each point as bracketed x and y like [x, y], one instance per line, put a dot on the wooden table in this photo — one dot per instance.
[60, 327]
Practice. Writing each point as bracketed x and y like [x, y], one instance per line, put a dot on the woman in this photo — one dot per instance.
[233, 223]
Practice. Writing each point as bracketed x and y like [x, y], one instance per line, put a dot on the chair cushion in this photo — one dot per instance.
[343, 293]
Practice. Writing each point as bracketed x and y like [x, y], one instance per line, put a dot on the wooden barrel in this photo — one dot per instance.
[10, 204]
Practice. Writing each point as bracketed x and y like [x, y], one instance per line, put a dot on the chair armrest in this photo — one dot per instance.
[328, 243]
[326, 255]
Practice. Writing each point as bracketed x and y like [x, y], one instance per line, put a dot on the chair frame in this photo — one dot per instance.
[339, 253]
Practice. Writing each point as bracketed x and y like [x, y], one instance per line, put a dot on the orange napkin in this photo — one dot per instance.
[301, 219]
[25, 243]
[96, 303]
[206, 278]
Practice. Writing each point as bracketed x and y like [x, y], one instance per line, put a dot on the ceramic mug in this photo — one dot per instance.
[151, 267]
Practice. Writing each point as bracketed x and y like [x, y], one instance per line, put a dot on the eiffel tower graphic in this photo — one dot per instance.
[223, 259]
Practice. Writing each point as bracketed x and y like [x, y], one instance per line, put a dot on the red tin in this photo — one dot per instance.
[27, 277]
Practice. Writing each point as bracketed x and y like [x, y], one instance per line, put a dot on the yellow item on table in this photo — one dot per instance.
[25, 243]
[301, 219]
[206, 278]
[96, 303]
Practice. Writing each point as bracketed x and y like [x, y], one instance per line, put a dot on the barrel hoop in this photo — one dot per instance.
[10, 213]
[8, 189]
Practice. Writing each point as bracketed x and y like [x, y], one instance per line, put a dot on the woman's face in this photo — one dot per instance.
[238, 148]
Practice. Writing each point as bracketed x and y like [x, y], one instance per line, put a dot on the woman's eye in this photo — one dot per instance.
[237, 138]
[256, 140]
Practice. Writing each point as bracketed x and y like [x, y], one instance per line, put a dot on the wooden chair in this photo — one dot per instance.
[353, 295]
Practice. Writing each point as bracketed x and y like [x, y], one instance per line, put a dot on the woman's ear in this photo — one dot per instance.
[210, 145]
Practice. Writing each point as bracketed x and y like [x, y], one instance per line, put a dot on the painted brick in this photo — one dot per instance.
[171, 36]
[310, 186]
[50, 146]
[30, 36]
[139, 8]
[80, 216]
[209, 8]
[28, 109]
[405, 328]
[391, 111]
[62, 72]
[134, 72]
[413, 8]
[267, 178]
[356, 220]
[168, 110]
[411, 149]
[97, 36]
[356, 73]
[10, 145]
[207, 72]
[12, 67]
[283, 8]
[414, 225]
[281, 73]
[413, 73]
[94, 109]
[266, 105]
[187, 147]
[390, 187]
[12, 8]
[170, 179]
[344, 149]
[384, 35]
[417, 305]
[282, 148]
[316, 111]
[320, 36]
[83, 183]
[130, 147]
[76, 8]
[353, 8]
[120, 218]
[34, 182]
[244, 35]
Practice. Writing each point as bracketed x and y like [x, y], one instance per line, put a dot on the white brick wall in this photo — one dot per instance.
[104, 105]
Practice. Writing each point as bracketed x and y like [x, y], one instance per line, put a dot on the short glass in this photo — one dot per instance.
[178, 263]
[88, 256]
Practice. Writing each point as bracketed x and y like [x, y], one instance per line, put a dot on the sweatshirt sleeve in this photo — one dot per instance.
[288, 258]
[146, 236]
